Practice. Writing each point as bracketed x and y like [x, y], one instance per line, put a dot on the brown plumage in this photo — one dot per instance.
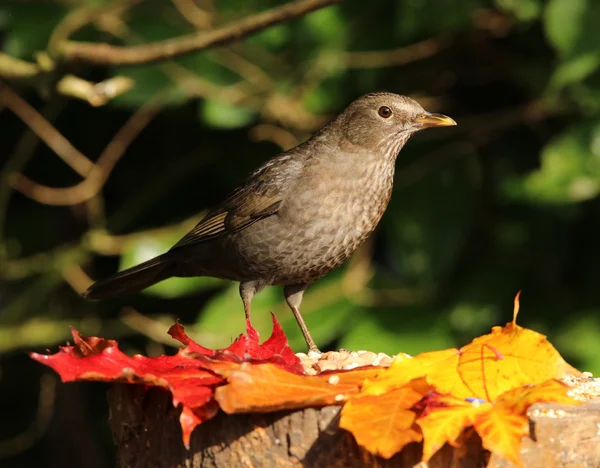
[298, 216]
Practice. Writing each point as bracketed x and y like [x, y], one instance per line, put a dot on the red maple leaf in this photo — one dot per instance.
[188, 375]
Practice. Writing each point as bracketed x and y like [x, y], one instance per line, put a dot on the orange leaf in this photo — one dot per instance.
[518, 400]
[509, 357]
[501, 432]
[446, 423]
[266, 387]
[384, 424]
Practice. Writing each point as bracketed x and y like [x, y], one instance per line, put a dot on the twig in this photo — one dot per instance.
[18, 159]
[103, 243]
[85, 15]
[155, 329]
[249, 71]
[75, 277]
[96, 94]
[192, 84]
[193, 14]
[393, 58]
[275, 134]
[99, 172]
[12, 68]
[44, 129]
[43, 262]
[108, 55]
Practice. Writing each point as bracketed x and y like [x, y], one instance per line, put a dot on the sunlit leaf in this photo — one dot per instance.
[570, 168]
[384, 424]
[571, 25]
[189, 375]
[445, 422]
[223, 115]
[265, 388]
[501, 432]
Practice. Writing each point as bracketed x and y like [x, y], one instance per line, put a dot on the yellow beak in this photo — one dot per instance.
[429, 119]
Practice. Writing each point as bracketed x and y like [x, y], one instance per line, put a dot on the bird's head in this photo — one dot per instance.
[386, 121]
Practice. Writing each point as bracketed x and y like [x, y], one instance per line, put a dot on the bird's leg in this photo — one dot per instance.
[247, 292]
[247, 309]
[293, 297]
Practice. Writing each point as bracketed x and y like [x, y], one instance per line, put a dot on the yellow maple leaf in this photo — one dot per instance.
[509, 357]
[444, 424]
[518, 400]
[501, 432]
[439, 367]
[384, 424]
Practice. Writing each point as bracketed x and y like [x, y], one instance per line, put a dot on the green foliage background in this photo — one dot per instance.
[506, 201]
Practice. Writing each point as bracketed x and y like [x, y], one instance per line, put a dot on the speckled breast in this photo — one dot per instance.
[316, 230]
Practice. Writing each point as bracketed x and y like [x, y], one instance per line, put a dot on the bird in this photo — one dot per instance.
[299, 215]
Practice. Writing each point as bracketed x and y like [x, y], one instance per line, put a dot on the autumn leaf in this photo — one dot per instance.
[444, 419]
[265, 387]
[438, 366]
[501, 424]
[246, 348]
[502, 427]
[384, 424]
[518, 400]
[189, 375]
[488, 385]
[501, 432]
[178, 333]
[509, 357]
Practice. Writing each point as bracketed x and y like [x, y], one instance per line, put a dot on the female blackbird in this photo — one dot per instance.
[301, 214]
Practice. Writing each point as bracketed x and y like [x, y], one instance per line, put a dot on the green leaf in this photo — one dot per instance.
[570, 169]
[223, 115]
[29, 26]
[327, 27]
[575, 70]
[572, 25]
[272, 38]
[524, 10]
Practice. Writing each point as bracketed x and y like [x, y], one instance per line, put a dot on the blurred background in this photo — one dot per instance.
[103, 165]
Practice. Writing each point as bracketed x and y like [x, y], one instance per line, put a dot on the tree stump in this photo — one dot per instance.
[146, 429]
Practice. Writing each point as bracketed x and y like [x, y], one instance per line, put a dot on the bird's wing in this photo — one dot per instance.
[261, 196]
[240, 211]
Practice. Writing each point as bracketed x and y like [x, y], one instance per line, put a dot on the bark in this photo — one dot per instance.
[146, 429]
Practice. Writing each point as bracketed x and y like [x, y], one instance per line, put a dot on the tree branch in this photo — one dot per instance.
[44, 129]
[395, 57]
[15, 69]
[98, 173]
[108, 55]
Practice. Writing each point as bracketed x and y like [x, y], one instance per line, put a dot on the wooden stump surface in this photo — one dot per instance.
[146, 429]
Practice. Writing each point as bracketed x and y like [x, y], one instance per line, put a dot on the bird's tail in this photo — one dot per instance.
[131, 280]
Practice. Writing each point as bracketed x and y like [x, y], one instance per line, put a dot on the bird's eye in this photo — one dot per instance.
[385, 112]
